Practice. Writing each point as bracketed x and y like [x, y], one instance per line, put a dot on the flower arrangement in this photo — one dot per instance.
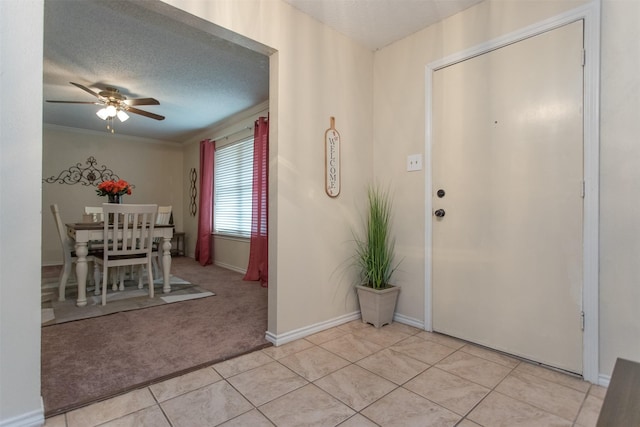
[114, 188]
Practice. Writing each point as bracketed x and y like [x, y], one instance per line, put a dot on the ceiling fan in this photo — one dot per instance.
[114, 104]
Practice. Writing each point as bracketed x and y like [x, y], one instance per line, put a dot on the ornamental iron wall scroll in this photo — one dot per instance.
[193, 203]
[89, 175]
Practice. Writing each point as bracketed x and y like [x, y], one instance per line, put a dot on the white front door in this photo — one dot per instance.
[507, 153]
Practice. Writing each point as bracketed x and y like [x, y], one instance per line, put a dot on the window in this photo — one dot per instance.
[233, 180]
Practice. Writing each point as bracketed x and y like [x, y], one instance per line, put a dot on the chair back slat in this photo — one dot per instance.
[138, 219]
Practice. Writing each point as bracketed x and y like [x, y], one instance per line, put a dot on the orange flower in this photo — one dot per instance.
[112, 187]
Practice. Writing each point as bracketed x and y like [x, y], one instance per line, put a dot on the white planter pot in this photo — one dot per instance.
[377, 305]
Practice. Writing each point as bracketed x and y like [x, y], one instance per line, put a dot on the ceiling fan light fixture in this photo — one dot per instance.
[102, 113]
[111, 111]
[122, 115]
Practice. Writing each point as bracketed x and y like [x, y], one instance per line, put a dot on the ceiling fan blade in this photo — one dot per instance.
[145, 113]
[76, 102]
[142, 101]
[86, 89]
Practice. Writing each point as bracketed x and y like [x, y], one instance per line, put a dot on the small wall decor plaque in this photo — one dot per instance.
[193, 200]
[332, 160]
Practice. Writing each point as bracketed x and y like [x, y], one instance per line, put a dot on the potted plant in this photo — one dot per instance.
[374, 258]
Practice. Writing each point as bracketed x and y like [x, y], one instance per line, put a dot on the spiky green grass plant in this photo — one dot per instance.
[375, 251]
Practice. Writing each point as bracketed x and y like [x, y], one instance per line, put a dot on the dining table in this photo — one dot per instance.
[83, 233]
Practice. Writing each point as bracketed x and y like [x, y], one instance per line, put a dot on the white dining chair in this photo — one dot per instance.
[98, 216]
[68, 254]
[163, 218]
[96, 211]
[133, 246]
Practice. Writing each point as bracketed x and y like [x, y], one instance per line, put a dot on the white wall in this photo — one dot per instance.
[316, 73]
[152, 166]
[620, 183]
[20, 175]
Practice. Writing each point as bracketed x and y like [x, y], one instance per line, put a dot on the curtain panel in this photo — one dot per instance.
[204, 249]
[258, 250]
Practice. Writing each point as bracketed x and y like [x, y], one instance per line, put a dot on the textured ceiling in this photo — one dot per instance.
[199, 78]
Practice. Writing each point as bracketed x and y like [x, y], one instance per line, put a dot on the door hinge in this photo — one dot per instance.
[582, 320]
[584, 57]
[583, 191]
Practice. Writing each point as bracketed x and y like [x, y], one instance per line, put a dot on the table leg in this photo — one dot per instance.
[166, 264]
[81, 272]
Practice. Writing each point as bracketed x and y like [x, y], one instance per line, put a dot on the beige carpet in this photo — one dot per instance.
[93, 359]
[131, 298]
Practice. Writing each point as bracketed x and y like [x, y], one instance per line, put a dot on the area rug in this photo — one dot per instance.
[131, 298]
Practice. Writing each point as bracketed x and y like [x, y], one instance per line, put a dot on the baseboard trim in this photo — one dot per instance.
[280, 339]
[296, 334]
[28, 419]
[410, 321]
[230, 267]
[604, 380]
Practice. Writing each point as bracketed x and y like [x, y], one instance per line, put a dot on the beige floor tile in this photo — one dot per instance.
[287, 349]
[355, 386]
[405, 329]
[472, 368]
[57, 421]
[148, 417]
[429, 352]
[442, 339]
[358, 421]
[207, 406]
[467, 423]
[588, 415]
[327, 335]
[351, 347]
[384, 336]
[393, 365]
[267, 382]
[402, 408]
[493, 356]
[307, 406]
[249, 419]
[314, 363]
[107, 410]
[179, 385]
[240, 364]
[498, 410]
[557, 399]
[353, 326]
[445, 389]
[555, 376]
[597, 391]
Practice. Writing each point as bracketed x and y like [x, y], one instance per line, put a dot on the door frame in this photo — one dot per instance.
[590, 13]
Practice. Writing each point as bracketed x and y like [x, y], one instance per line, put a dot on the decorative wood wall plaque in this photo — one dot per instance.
[332, 160]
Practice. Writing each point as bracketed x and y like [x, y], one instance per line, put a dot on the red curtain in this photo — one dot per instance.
[204, 250]
[258, 251]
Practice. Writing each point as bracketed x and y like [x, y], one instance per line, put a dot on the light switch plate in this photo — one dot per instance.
[414, 162]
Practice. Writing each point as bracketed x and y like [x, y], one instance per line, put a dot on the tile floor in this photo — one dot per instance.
[356, 375]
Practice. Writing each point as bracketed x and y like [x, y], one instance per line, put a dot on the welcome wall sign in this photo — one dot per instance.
[332, 160]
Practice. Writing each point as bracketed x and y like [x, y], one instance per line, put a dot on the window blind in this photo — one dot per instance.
[233, 181]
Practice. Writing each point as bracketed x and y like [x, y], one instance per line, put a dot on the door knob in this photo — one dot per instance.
[439, 213]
